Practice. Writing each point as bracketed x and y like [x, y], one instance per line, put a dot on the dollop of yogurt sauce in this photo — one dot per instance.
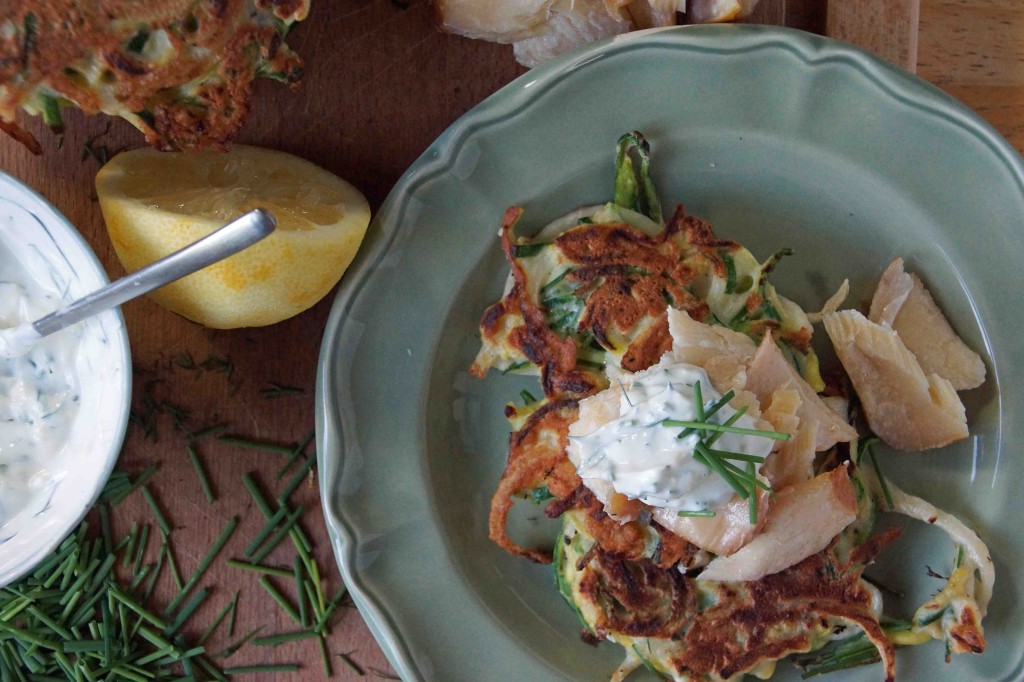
[645, 460]
[39, 394]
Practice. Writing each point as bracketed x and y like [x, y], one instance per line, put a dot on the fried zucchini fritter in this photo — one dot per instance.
[182, 72]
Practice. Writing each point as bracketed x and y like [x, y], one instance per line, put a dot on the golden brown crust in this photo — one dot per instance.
[533, 462]
[627, 280]
[743, 624]
[214, 48]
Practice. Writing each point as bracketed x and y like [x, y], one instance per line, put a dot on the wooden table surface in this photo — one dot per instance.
[381, 84]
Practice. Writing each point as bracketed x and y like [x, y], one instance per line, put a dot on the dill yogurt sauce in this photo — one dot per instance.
[39, 399]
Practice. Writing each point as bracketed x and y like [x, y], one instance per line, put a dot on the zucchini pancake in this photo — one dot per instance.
[182, 72]
[718, 498]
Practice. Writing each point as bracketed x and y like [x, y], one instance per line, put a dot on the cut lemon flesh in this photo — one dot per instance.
[155, 203]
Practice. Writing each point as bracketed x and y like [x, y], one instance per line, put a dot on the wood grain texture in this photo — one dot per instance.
[769, 12]
[887, 28]
[381, 84]
[974, 50]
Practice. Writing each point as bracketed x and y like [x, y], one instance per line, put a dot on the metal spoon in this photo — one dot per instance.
[216, 246]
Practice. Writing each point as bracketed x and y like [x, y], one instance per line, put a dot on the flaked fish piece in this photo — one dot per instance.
[802, 521]
[792, 461]
[770, 371]
[542, 29]
[906, 408]
[724, 533]
[893, 288]
[570, 24]
[721, 352]
[654, 13]
[902, 301]
[709, 11]
[695, 342]
[832, 304]
[501, 22]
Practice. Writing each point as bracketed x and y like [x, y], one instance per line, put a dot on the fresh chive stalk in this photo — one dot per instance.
[706, 426]
[204, 479]
[218, 544]
[252, 444]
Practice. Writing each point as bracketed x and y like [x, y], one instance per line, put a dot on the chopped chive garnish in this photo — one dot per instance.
[698, 401]
[700, 513]
[278, 390]
[280, 599]
[284, 638]
[259, 568]
[268, 528]
[206, 432]
[296, 480]
[257, 495]
[159, 515]
[204, 480]
[753, 494]
[352, 665]
[132, 535]
[218, 544]
[274, 540]
[253, 444]
[727, 423]
[173, 565]
[881, 478]
[725, 454]
[336, 602]
[270, 668]
[231, 649]
[300, 594]
[705, 457]
[105, 527]
[230, 606]
[325, 655]
[296, 453]
[383, 674]
[231, 618]
[526, 250]
[140, 548]
[186, 611]
[705, 426]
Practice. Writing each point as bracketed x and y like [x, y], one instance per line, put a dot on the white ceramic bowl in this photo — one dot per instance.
[52, 252]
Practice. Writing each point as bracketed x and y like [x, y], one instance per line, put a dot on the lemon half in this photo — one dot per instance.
[155, 203]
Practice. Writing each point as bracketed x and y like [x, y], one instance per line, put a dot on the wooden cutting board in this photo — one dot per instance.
[887, 28]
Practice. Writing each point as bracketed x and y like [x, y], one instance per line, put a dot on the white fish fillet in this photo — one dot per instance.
[902, 301]
[501, 22]
[903, 406]
[542, 29]
[803, 520]
[770, 371]
[724, 533]
[571, 23]
[695, 343]
[712, 11]
[792, 461]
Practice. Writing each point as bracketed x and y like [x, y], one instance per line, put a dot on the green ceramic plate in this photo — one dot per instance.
[780, 139]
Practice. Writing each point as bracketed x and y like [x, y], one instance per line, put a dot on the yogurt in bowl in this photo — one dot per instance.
[64, 403]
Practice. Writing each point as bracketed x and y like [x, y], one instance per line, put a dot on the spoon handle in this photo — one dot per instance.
[230, 239]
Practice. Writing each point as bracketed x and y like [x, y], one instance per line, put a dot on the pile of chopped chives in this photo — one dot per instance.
[73, 618]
